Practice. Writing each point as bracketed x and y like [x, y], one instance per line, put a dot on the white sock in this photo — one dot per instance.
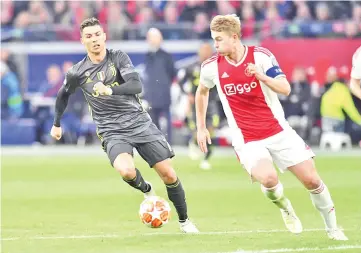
[322, 200]
[275, 194]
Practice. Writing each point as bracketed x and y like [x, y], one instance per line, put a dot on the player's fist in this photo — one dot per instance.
[102, 89]
[252, 69]
[56, 132]
[203, 137]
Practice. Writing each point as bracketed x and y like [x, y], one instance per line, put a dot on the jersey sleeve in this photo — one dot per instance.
[208, 74]
[267, 61]
[356, 64]
[71, 81]
[125, 65]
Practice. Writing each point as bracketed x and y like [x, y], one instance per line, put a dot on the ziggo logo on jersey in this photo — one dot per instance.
[232, 89]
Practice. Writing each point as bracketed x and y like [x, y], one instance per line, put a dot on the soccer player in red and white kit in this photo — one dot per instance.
[355, 82]
[248, 80]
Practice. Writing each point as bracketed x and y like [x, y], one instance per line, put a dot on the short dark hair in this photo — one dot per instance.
[89, 22]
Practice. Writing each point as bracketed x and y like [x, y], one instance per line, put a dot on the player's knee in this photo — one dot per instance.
[127, 172]
[270, 180]
[169, 176]
[312, 183]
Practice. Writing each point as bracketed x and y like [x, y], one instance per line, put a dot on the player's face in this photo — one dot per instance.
[93, 38]
[224, 42]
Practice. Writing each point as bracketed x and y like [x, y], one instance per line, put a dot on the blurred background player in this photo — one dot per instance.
[111, 86]
[248, 80]
[192, 74]
[355, 82]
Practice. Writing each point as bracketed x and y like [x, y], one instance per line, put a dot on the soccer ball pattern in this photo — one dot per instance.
[154, 212]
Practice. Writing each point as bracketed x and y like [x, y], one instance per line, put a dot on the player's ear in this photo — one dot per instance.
[105, 36]
[81, 40]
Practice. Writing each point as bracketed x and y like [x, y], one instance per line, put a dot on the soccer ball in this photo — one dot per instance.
[154, 212]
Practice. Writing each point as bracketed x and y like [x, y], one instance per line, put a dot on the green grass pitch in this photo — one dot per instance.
[79, 204]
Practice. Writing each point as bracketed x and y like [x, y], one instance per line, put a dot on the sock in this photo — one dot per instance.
[208, 154]
[177, 196]
[275, 194]
[322, 200]
[138, 182]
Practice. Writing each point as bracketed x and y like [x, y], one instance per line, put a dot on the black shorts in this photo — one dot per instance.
[152, 152]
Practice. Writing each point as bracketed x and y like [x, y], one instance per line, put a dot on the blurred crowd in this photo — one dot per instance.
[186, 19]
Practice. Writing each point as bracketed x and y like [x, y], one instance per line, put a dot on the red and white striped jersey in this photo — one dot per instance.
[251, 107]
[356, 64]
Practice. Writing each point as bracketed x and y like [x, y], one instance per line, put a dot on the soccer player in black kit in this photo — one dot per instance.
[111, 86]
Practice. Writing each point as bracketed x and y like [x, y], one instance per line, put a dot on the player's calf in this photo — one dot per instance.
[124, 164]
[321, 198]
[174, 187]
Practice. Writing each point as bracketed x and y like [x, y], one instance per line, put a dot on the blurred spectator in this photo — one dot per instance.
[117, 21]
[23, 20]
[158, 77]
[248, 20]
[201, 26]
[170, 19]
[303, 13]
[272, 23]
[297, 103]
[334, 103]
[170, 14]
[7, 13]
[356, 13]
[62, 15]
[224, 8]
[190, 10]
[322, 12]
[53, 83]
[39, 12]
[352, 29]
[11, 100]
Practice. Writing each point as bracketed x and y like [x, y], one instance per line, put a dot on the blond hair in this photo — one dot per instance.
[226, 23]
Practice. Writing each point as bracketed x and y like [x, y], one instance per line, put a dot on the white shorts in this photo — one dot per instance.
[285, 149]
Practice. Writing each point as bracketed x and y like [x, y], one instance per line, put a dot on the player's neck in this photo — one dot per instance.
[238, 54]
[97, 58]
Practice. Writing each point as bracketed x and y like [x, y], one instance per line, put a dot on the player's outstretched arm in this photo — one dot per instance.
[355, 87]
[132, 85]
[201, 103]
[60, 106]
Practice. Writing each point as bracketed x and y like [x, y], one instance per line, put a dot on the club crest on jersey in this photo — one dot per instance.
[101, 76]
[112, 69]
[247, 72]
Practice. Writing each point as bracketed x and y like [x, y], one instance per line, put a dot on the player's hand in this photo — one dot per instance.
[102, 89]
[203, 137]
[256, 71]
[56, 132]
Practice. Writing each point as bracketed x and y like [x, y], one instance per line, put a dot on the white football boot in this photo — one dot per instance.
[336, 234]
[188, 227]
[292, 222]
[151, 193]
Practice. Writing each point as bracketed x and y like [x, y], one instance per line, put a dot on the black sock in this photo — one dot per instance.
[177, 196]
[208, 154]
[138, 182]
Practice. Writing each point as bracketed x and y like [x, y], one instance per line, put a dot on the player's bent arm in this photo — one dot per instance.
[132, 85]
[355, 87]
[279, 84]
[60, 105]
[201, 103]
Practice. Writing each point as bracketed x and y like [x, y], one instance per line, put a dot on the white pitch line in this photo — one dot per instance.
[150, 234]
[331, 248]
